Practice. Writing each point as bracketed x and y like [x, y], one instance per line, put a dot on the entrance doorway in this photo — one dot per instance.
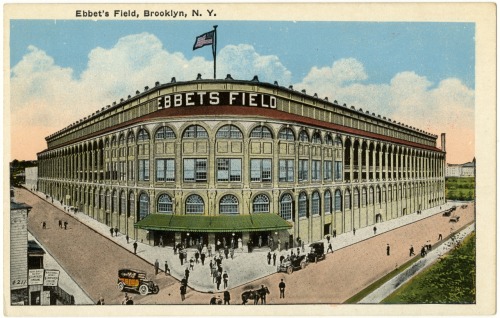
[327, 229]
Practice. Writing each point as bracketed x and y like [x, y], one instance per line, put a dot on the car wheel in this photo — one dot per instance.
[143, 290]
[289, 270]
[121, 286]
[156, 290]
[303, 265]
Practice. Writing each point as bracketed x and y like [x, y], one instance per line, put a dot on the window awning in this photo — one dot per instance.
[212, 224]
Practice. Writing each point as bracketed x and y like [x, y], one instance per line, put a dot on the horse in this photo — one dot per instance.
[255, 295]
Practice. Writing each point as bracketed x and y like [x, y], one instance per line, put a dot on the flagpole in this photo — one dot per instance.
[214, 50]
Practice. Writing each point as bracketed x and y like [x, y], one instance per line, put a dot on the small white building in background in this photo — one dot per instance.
[31, 178]
[460, 170]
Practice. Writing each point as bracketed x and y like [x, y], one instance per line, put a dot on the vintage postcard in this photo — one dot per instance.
[269, 159]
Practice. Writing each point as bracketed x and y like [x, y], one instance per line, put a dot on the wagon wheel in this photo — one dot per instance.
[143, 290]
[303, 265]
[121, 286]
[289, 270]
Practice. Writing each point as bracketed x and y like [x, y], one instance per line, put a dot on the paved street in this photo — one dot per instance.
[92, 256]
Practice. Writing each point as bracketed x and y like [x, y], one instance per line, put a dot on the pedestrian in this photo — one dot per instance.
[209, 250]
[44, 225]
[181, 257]
[65, 225]
[218, 280]
[440, 237]
[411, 251]
[374, 230]
[279, 245]
[388, 249]
[183, 292]
[213, 300]
[197, 256]
[100, 301]
[111, 231]
[191, 263]
[60, 224]
[298, 251]
[116, 231]
[328, 238]
[226, 252]
[160, 243]
[135, 247]
[282, 288]
[202, 257]
[303, 249]
[231, 252]
[227, 297]
[281, 259]
[167, 270]
[260, 241]
[184, 281]
[354, 231]
[422, 251]
[334, 233]
[225, 277]
[263, 296]
[211, 267]
[186, 274]
[126, 237]
[274, 259]
[157, 266]
[330, 248]
[269, 258]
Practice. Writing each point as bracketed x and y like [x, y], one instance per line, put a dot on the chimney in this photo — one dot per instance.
[443, 142]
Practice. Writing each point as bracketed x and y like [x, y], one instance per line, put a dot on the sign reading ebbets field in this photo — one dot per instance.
[216, 99]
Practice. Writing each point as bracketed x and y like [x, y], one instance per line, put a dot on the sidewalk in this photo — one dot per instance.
[254, 264]
[393, 284]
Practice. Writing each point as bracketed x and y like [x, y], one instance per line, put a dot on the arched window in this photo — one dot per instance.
[131, 204]
[347, 199]
[122, 203]
[328, 140]
[338, 142]
[303, 136]
[113, 141]
[261, 132]
[130, 138]
[356, 198]
[315, 204]
[165, 133]
[165, 204]
[261, 204]
[195, 204]
[370, 200]
[195, 131]
[286, 134]
[377, 195]
[102, 201]
[338, 200]
[363, 197]
[302, 205]
[316, 138]
[328, 202]
[228, 204]
[229, 132]
[286, 204]
[143, 135]
[143, 206]
[122, 140]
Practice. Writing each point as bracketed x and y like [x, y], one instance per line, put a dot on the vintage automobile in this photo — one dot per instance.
[317, 252]
[136, 280]
[293, 262]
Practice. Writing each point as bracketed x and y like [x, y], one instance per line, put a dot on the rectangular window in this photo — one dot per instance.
[316, 170]
[286, 170]
[338, 170]
[195, 170]
[327, 170]
[260, 170]
[122, 171]
[131, 170]
[143, 170]
[165, 170]
[303, 170]
[228, 169]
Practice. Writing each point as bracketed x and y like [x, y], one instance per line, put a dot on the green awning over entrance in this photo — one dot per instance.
[219, 223]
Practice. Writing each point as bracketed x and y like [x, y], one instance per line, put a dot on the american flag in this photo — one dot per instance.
[204, 39]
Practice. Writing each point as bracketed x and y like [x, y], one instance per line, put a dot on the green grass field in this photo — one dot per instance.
[459, 189]
[449, 281]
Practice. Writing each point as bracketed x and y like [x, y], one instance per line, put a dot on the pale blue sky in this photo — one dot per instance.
[434, 50]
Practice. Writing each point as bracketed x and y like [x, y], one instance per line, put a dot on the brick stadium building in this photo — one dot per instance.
[209, 160]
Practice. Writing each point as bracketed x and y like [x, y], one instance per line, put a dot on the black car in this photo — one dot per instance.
[317, 252]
